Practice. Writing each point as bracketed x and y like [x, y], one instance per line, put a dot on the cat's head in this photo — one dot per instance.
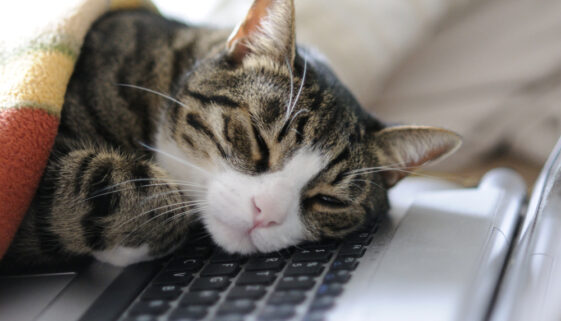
[277, 150]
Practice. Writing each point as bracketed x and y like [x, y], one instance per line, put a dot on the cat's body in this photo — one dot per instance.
[258, 140]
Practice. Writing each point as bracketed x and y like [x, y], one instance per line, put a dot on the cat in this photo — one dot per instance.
[167, 126]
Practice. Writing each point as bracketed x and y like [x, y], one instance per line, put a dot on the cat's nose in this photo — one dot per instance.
[265, 212]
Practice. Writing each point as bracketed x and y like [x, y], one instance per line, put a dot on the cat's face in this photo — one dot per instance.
[276, 149]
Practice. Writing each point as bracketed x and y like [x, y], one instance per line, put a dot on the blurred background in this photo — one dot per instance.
[487, 69]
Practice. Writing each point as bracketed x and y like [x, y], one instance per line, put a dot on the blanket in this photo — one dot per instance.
[37, 58]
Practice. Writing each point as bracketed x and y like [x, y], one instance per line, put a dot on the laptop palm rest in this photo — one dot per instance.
[25, 297]
[444, 260]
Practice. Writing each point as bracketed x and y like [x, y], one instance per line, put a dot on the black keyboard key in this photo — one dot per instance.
[217, 269]
[282, 312]
[333, 289]
[257, 278]
[286, 297]
[200, 298]
[344, 263]
[141, 317]
[220, 256]
[295, 283]
[262, 264]
[195, 252]
[192, 312]
[230, 317]
[322, 303]
[318, 255]
[152, 308]
[326, 244]
[363, 238]
[236, 307]
[184, 264]
[218, 283]
[283, 254]
[250, 292]
[162, 292]
[304, 268]
[171, 277]
[353, 250]
[337, 276]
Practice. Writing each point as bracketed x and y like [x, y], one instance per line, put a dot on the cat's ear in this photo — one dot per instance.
[404, 148]
[268, 29]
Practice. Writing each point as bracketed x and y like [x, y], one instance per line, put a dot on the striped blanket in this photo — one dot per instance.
[35, 68]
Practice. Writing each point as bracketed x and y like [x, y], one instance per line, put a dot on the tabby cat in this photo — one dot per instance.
[165, 125]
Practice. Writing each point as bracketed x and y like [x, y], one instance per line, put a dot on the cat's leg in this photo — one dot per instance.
[119, 209]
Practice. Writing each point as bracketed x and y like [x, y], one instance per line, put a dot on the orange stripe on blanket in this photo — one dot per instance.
[26, 138]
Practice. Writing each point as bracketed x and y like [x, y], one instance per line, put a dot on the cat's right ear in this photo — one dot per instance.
[268, 29]
[401, 149]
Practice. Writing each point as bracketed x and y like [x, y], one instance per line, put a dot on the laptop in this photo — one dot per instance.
[442, 253]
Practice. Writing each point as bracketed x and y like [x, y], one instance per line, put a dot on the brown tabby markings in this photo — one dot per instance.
[103, 188]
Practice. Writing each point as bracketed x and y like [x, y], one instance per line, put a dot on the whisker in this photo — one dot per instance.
[203, 235]
[288, 111]
[148, 179]
[298, 113]
[368, 181]
[127, 181]
[193, 211]
[409, 172]
[133, 188]
[301, 85]
[179, 205]
[176, 158]
[296, 131]
[150, 220]
[382, 170]
[389, 166]
[179, 191]
[153, 92]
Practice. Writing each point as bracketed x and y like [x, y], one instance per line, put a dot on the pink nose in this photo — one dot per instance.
[265, 213]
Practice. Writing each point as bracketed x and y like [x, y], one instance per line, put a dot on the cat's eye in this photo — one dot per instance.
[329, 201]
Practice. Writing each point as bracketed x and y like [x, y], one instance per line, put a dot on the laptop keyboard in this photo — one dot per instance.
[200, 282]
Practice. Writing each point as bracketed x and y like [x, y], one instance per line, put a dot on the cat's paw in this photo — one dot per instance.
[123, 256]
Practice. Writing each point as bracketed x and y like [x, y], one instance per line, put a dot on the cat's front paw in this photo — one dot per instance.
[123, 256]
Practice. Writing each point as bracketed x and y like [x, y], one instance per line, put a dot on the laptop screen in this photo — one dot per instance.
[530, 290]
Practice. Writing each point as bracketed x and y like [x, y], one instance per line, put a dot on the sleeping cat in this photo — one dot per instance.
[165, 125]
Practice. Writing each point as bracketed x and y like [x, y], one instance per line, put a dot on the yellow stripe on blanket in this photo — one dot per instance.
[126, 4]
[40, 77]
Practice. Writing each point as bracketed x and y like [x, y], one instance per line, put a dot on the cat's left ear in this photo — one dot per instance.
[404, 148]
[268, 29]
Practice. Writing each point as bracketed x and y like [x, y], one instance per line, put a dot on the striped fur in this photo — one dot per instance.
[105, 186]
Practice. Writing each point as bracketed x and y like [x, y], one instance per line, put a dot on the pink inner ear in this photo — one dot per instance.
[429, 155]
[392, 177]
[251, 23]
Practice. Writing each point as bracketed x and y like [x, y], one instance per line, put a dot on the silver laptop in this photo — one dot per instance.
[444, 253]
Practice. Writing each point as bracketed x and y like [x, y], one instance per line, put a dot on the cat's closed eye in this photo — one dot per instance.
[325, 200]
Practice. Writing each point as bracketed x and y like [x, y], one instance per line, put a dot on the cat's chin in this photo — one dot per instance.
[248, 241]
[231, 239]
[243, 241]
